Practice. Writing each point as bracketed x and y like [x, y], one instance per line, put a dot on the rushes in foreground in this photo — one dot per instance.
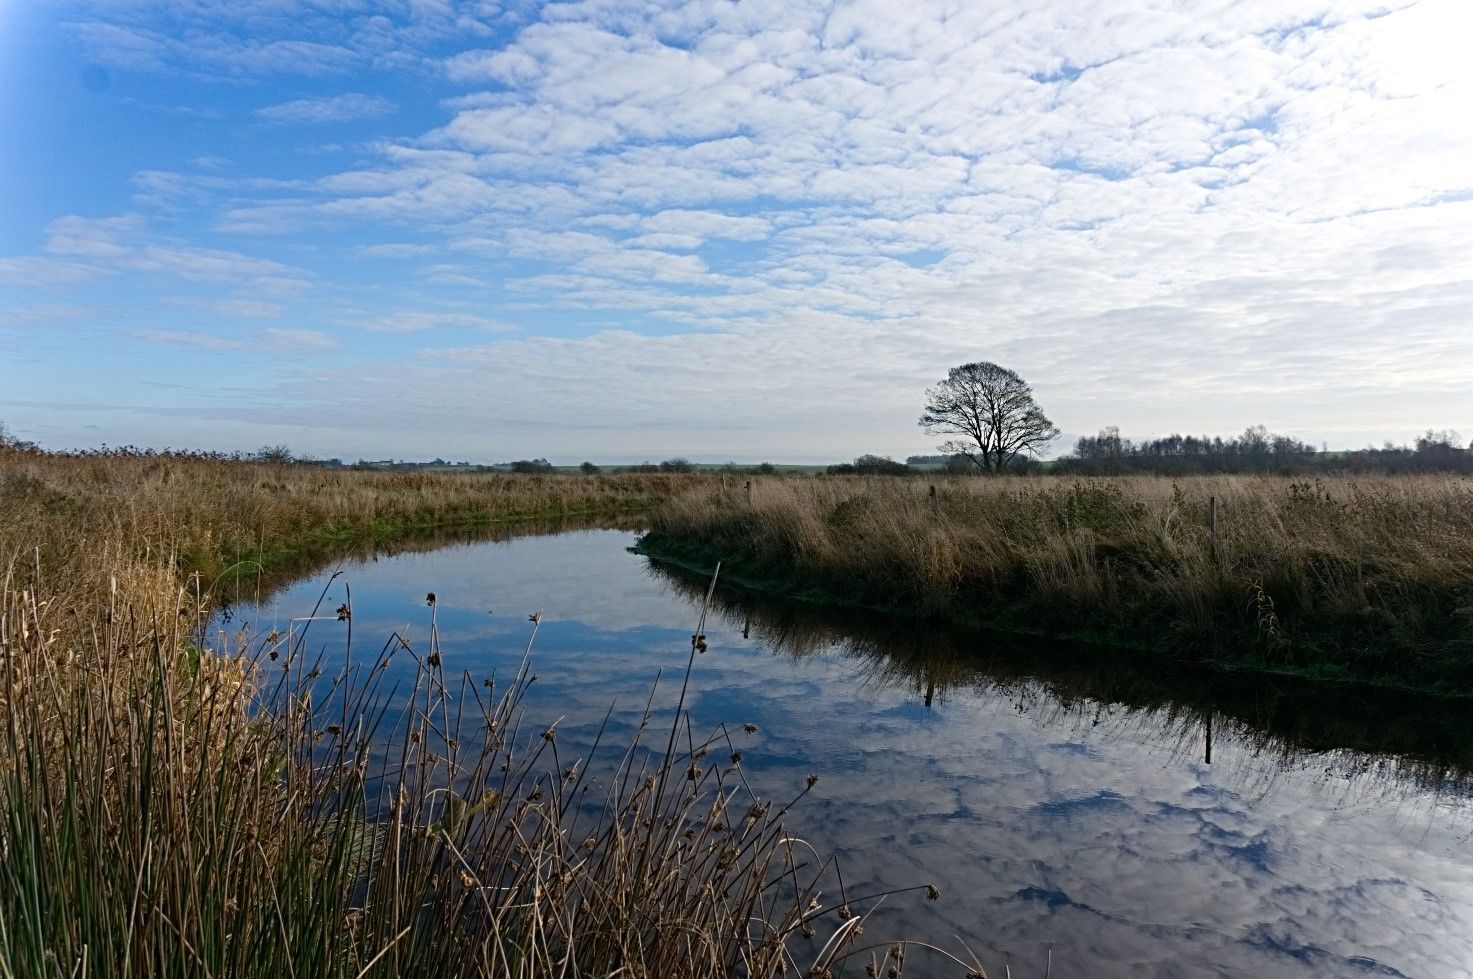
[169, 812]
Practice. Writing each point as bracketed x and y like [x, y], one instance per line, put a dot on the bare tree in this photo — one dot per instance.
[991, 413]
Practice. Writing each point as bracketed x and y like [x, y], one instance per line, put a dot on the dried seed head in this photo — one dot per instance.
[812, 781]
[430, 599]
[750, 728]
[932, 893]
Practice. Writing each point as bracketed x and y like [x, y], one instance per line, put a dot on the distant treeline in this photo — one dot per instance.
[1258, 450]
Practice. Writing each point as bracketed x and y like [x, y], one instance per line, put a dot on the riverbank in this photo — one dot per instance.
[222, 520]
[1347, 580]
[171, 810]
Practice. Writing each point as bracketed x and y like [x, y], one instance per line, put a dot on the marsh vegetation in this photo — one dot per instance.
[1362, 578]
[169, 808]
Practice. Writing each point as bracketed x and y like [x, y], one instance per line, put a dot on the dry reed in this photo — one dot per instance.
[1361, 578]
[168, 810]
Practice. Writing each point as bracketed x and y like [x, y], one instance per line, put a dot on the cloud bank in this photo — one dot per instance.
[762, 228]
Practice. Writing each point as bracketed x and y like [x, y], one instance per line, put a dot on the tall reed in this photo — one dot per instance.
[1363, 578]
[223, 518]
[165, 811]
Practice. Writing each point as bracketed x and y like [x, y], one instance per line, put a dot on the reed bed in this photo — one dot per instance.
[169, 812]
[1367, 579]
[222, 518]
[169, 809]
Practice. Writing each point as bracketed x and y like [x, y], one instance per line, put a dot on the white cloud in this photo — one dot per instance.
[79, 249]
[1264, 200]
[334, 108]
[418, 321]
[196, 339]
[289, 340]
[274, 341]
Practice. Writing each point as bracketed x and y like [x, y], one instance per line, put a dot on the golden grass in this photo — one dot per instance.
[1366, 578]
[169, 811]
[219, 518]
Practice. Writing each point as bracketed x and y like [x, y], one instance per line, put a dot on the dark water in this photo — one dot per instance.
[1071, 812]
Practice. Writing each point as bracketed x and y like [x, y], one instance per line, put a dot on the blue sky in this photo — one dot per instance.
[745, 230]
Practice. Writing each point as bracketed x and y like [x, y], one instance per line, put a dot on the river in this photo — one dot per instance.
[1070, 808]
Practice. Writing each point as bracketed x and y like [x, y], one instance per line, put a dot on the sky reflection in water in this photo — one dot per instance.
[1048, 820]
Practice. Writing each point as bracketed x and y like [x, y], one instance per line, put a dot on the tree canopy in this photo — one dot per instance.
[990, 414]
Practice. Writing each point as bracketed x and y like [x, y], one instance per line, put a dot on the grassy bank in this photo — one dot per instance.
[221, 519]
[1346, 579]
[1425, 740]
[167, 810]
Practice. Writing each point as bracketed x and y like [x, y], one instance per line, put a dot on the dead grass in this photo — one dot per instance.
[217, 519]
[1364, 578]
[168, 810]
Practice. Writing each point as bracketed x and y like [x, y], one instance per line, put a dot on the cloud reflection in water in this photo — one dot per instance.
[1071, 810]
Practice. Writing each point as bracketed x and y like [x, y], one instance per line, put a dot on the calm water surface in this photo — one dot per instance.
[1073, 813]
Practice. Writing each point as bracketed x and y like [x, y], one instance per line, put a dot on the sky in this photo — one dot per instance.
[752, 230]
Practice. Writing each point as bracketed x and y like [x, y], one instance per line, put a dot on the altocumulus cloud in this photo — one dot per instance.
[730, 228]
[335, 108]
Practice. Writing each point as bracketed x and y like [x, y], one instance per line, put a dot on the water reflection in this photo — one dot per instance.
[252, 589]
[1426, 741]
[1066, 808]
